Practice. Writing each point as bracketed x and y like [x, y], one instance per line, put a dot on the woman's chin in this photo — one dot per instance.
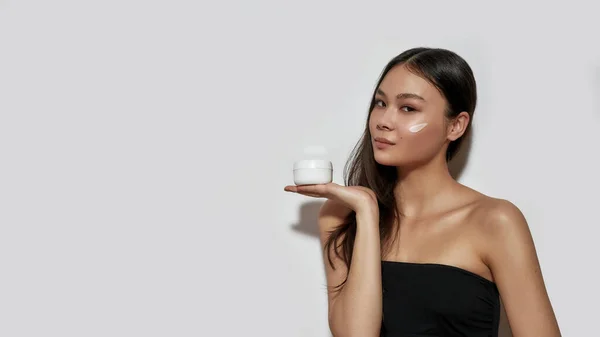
[385, 159]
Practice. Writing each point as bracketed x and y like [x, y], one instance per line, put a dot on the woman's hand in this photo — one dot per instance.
[357, 198]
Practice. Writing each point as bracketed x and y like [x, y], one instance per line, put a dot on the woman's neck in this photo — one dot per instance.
[422, 191]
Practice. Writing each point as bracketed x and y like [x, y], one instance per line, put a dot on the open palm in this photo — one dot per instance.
[354, 197]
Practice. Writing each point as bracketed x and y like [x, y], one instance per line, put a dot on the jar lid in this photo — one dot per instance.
[313, 163]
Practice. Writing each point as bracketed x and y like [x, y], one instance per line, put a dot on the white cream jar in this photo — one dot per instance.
[313, 171]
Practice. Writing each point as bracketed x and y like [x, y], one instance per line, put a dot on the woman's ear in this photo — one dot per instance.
[458, 126]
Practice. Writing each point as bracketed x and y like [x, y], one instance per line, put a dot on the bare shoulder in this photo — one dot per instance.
[505, 235]
[511, 256]
[500, 226]
[500, 217]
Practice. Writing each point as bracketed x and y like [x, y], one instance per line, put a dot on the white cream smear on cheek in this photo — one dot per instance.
[417, 127]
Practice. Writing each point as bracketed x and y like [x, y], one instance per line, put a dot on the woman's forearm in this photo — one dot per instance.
[357, 310]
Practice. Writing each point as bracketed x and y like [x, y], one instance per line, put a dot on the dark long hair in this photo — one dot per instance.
[453, 77]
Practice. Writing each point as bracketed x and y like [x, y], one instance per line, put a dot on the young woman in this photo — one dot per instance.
[408, 250]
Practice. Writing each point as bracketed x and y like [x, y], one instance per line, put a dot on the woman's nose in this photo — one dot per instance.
[386, 121]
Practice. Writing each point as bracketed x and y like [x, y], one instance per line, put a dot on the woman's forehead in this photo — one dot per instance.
[401, 81]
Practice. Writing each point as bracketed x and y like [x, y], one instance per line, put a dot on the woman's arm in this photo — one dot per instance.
[356, 310]
[513, 261]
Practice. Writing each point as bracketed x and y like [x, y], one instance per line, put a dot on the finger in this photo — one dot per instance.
[303, 189]
[291, 188]
[298, 188]
[318, 189]
[315, 189]
[295, 190]
[312, 195]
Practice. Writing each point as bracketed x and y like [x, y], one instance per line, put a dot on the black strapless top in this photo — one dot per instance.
[428, 299]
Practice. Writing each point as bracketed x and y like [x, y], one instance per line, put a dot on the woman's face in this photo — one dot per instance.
[407, 123]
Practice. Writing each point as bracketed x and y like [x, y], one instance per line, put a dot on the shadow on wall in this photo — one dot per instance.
[309, 214]
[308, 225]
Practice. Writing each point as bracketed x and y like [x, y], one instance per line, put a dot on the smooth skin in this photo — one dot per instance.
[444, 221]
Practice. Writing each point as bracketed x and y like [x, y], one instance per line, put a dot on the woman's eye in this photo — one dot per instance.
[407, 108]
[379, 103]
